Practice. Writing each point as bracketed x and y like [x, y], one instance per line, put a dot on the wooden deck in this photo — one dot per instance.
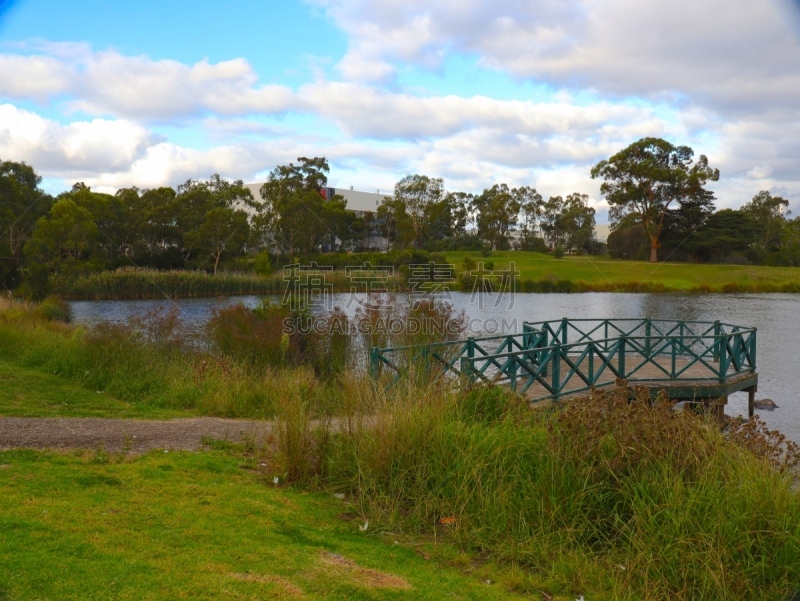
[697, 383]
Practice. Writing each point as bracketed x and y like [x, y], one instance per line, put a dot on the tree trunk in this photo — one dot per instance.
[216, 263]
[654, 249]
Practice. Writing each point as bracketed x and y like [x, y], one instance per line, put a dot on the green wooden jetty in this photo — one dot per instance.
[694, 361]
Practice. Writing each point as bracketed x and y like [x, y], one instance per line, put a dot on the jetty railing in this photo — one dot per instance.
[568, 356]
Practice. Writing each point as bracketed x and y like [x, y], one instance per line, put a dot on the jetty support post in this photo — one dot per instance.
[751, 401]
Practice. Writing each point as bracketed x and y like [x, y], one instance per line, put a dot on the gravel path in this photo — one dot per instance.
[133, 435]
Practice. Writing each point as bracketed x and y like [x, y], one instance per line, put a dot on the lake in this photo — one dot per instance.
[777, 317]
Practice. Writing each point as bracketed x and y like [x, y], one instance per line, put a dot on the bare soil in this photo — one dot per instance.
[131, 435]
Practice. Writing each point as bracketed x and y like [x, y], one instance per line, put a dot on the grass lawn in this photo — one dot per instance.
[26, 392]
[605, 271]
[198, 526]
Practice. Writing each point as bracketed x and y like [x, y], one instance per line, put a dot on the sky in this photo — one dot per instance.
[115, 93]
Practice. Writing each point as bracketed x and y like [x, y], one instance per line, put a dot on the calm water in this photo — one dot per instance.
[775, 316]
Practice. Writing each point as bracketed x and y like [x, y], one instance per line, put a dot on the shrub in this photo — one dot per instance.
[251, 336]
[54, 308]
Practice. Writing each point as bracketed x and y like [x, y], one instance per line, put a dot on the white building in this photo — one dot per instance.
[357, 201]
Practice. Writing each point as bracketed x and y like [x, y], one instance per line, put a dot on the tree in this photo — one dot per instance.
[768, 214]
[577, 223]
[62, 243]
[419, 194]
[497, 210]
[723, 234]
[421, 213]
[196, 199]
[22, 204]
[154, 236]
[531, 208]
[223, 231]
[295, 211]
[681, 226]
[648, 177]
[396, 223]
[551, 222]
[112, 217]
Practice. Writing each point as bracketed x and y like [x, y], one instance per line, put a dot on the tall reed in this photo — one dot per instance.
[608, 498]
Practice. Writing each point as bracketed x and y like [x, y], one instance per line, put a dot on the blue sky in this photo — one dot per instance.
[116, 93]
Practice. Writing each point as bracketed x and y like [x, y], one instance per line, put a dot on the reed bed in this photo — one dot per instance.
[135, 283]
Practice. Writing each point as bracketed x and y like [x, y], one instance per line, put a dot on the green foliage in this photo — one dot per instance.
[497, 208]
[252, 337]
[647, 177]
[54, 308]
[262, 263]
[294, 216]
[421, 214]
[22, 204]
[222, 231]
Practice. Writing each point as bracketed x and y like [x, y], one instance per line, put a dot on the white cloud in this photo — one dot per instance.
[729, 54]
[721, 77]
[108, 83]
[52, 147]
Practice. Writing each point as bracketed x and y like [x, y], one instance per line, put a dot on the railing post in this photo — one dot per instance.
[471, 347]
[674, 360]
[717, 332]
[753, 350]
[621, 356]
[556, 381]
[512, 372]
[647, 347]
[723, 357]
[591, 363]
[564, 323]
[681, 331]
[542, 357]
[467, 369]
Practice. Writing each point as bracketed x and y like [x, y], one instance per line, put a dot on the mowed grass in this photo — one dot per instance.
[26, 392]
[602, 272]
[196, 526]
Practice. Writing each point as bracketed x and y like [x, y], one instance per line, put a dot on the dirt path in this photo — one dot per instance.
[133, 435]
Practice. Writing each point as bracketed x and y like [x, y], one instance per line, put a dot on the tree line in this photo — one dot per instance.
[215, 223]
[659, 208]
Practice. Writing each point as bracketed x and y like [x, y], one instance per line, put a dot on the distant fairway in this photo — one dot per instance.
[600, 273]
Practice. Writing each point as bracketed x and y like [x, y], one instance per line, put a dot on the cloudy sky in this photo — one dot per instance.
[117, 93]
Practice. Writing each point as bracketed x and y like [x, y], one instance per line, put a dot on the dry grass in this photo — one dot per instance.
[349, 570]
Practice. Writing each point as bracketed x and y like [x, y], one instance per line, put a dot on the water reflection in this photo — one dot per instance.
[775, 316]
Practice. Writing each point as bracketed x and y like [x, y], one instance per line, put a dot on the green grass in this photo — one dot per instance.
[196, 526]
[134, 377]
[603, 273]
[26, 392]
